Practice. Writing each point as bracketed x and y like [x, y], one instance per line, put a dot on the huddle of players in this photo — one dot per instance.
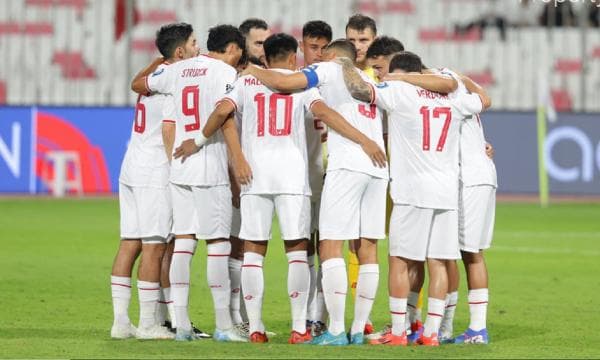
[220, 125]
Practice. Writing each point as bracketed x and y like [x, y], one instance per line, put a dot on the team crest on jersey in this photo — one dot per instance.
[382, 85]
[228, 88]
[158, 72]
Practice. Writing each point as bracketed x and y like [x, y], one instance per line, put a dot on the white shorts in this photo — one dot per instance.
[202, 210]
[476, 214]
[145, 212]
[352, 206]
[293, 213]
[419, 233]
[236, 222]
[315, 207]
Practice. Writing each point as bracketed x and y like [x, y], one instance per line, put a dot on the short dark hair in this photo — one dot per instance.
[360, 22]
[279, 45]
[171, 36]
[346, 46]
[407, 61]
[220, 36]
[317, 29]
[384, 45]
[252, 23]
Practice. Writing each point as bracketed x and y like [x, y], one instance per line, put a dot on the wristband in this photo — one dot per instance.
[200, 140]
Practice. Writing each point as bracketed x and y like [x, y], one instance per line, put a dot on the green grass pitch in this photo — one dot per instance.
[56, 257]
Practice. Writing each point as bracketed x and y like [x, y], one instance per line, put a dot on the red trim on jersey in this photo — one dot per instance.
[146, 85]
[123, 285]
[477, 302]
[250, 265]
[169, 121]
[312, 103]
[183, 252]
[231, 101]
[208, 56]
[397, 313]
[373, 95]
[434, 314]
[298, 261]
[217, 255]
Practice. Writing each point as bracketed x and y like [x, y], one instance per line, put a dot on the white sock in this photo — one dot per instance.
[170, 306]
[435, 312]
[235, 278]
[335, 286]
[253, 286]
[320, 308]
[312, 289]
[162, 312]
[179, 276]
[478, 301]
[120, 287]
[366, 290]
[298, 282]
[217, 273]
[148, 294]
[447, 321]
[398, 313]
[414, 313]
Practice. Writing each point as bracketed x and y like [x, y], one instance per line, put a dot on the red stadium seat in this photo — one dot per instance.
[2, 92]
[73, 65]
[42, 28]
[78, 5]
[143, 45]
[400, 7]
[158, 16]
[562, 100]
[596, 53]
[568, 66]
[484, 78]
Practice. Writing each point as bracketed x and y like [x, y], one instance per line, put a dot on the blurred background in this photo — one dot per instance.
[65, 67]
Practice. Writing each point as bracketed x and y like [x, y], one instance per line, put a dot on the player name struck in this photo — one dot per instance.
[193, 72]
[431, 94]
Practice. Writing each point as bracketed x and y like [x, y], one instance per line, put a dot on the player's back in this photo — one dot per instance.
[145, 162]
[273, 136]
[196, 86]
[424, 137]
[344, 153]
[476, 167]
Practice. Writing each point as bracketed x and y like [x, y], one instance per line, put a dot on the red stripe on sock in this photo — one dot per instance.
[250, 265]
[183, 252]
[182, 283]
[163, 302]
[217, 255]
[450, 305]
[412, 306]
[364, 297]
[123, 285]
[298, 261]
[397, 313]
[339, 293]
[149, 289]
[434, 314]
[478, 302]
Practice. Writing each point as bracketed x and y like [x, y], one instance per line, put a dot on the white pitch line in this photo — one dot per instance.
[531, 250]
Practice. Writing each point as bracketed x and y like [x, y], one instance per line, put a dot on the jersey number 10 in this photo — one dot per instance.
[437, 112]
[288, 102]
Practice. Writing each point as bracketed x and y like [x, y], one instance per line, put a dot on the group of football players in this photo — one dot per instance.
[224, 140]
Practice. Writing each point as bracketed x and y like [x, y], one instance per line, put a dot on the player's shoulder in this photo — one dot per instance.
[324, 65]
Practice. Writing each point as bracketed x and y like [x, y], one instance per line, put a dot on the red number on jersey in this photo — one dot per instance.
[140, 114]
[437, 112]
[192, 109]
[287, 117]
[371, 112]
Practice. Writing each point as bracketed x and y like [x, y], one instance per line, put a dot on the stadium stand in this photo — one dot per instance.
[58, 52]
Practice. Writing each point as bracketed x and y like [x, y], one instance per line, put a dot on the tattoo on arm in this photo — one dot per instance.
[358, 88]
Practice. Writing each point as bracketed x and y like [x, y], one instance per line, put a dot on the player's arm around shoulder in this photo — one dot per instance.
[138, 84]
[278, 81]
[433, 82]
[475, 88]
[357, 86]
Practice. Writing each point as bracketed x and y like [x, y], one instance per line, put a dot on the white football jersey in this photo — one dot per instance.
[424, 135]
[273, 136]
[145, 162]
[196, 85]
[315, 128]
[476, 168]
[342, 152]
